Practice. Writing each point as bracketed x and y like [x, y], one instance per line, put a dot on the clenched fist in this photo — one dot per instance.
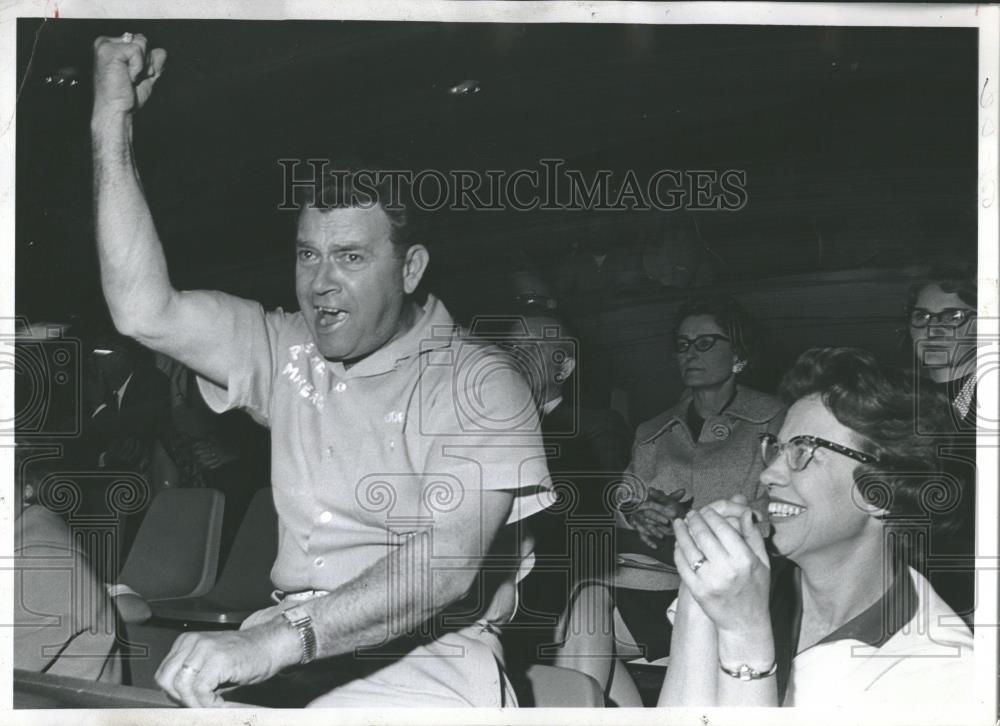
[124, 73]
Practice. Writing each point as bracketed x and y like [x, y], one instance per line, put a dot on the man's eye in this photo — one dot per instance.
[306, 255]
[352, 258]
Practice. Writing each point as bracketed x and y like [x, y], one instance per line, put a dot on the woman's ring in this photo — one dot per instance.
[127, 37]
[697, 565]
[189, 667]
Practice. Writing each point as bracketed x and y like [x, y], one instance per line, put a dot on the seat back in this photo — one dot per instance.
[245, 582]
[564, 687]
[176, 550]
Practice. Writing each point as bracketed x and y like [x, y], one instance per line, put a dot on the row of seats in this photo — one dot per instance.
[168, 584]
[170, 571]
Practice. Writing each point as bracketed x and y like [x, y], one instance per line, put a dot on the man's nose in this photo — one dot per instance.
[327, 278]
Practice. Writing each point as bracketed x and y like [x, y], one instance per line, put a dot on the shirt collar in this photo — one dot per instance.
[873, 626]
[882, 620]
[434, 329]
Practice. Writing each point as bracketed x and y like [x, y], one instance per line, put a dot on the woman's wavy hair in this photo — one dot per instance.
[879, 404]
[960, 280]
[730, 316]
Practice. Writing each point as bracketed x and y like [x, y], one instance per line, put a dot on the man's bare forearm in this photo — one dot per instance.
[133, 268]
[392, 598]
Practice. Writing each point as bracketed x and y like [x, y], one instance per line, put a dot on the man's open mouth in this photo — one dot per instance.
[329, 317]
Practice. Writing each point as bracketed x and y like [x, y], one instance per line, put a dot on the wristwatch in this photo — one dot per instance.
[299, 619]
[746, 673]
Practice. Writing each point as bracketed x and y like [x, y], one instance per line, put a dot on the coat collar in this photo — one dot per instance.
[749, 405]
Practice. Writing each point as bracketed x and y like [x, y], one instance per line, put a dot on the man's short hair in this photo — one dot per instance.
[879, 403]
[365, 183]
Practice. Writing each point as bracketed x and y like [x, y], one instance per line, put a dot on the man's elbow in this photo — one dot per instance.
[145, 323]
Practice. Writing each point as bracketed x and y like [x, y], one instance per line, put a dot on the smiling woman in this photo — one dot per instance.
[852, 480]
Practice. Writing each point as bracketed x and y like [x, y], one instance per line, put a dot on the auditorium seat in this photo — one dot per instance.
[176, 550]
[245, 583]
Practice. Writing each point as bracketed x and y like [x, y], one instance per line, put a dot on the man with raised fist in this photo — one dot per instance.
[384, 461]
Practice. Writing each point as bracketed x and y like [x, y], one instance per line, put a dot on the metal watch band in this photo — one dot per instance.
[746, 673]
[299, 619]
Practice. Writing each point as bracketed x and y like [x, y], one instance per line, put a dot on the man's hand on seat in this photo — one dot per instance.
[200, 665]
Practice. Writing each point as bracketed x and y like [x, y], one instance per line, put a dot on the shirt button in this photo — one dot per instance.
[325, 517]
[340, 387]
[318, 562]
[329, 451]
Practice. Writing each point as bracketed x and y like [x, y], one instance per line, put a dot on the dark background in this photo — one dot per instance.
[859, 146]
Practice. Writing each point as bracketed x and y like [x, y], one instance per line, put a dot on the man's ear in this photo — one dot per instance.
[566, 369]
[414, 265]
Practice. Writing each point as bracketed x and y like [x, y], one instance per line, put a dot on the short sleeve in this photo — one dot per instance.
[251, 378]
[482, 428]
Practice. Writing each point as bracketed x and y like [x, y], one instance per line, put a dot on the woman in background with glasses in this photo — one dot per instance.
[841, 620]
[941, 316]
[707, 443]
[705, 448]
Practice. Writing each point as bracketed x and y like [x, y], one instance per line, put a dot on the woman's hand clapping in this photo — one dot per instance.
[722, 560]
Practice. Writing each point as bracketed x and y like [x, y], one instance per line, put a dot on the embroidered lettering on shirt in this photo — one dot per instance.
[306, 389]
[296, 350]
[394, 417]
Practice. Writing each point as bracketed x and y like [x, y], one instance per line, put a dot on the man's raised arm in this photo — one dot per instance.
[190, 326]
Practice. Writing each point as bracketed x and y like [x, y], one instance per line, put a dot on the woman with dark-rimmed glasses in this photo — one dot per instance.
[941, 318]
[703, 448]
[838, 618]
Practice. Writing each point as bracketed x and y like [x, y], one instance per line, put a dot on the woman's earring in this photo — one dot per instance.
[739, 365]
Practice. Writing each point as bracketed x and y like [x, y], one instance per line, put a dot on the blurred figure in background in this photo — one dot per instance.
[127, 404]
[704, 447]
[941, 316]
[586, 451]
[65, 623]
[127, 410]
[227, 451]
